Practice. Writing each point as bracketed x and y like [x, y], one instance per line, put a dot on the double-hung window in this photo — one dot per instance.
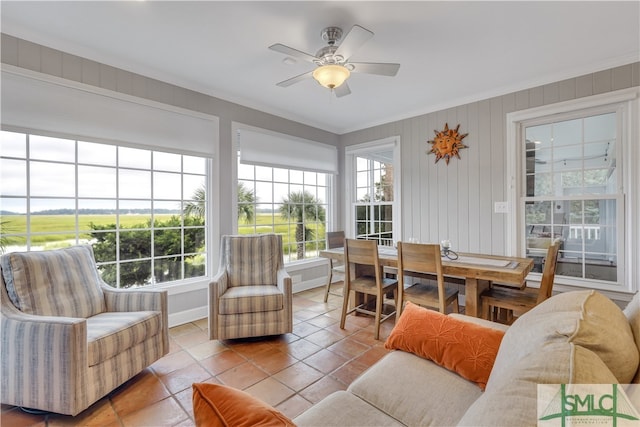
[374, 185]
[575, 183]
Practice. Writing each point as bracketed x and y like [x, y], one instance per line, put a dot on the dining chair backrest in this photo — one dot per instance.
[362, 252]
[549, 271]
[421, 258]
[335, 239]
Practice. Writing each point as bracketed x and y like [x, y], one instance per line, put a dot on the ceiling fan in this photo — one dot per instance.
[333, 66]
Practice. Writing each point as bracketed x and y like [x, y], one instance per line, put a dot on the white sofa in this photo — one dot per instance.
[577, 337]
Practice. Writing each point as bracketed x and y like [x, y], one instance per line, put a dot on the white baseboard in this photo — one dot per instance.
[187, 316]
[309, 284]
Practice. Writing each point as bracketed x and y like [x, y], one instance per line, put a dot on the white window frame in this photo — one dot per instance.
[628, 155]
[329, 163]
[76, 163]
[353, 151]
[144, 123]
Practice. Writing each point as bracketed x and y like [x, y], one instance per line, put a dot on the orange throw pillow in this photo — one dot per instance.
[221, 406]
[463, 347]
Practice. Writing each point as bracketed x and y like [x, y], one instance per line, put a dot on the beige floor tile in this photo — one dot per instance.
[142, 390]
[294, 406]
[223, 361]
[206, 349]
[321, 389]
[298, 376]
[325, 361]
[242, 376]
[183, 378]
[167, 412]
[270, 391]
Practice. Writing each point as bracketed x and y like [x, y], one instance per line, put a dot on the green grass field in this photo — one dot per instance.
[62, 227]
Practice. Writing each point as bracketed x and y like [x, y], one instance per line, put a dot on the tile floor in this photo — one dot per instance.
[290, 372]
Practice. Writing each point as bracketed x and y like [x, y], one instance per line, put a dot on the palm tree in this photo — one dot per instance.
[196, 207]
[302, 207]
[246, 200]
[246, 203]
[4, 240]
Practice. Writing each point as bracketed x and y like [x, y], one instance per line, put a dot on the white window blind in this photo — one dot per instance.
[70, 108]
[278, 150]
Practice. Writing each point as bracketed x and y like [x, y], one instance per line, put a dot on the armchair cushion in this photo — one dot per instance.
[251, 299]
[253, 260]
[64, 282]
[112, 333]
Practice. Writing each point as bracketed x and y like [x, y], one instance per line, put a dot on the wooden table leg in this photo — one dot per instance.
[472, 290]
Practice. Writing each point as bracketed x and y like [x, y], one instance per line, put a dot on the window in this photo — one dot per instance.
[373, 196]
[288, 202]
[572, 194]
[576, 183]
[284, 187]
[143, 211]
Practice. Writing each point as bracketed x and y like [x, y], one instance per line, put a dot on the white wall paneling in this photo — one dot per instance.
[457, 201]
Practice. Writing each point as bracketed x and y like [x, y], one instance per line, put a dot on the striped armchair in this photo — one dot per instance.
[251, 294]
[67, 338]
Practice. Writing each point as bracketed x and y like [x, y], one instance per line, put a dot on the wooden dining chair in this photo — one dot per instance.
[423, 261]
[335, 239]
[364, 276]
[517, 300]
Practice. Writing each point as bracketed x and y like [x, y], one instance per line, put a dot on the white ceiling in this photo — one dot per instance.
[450, 53]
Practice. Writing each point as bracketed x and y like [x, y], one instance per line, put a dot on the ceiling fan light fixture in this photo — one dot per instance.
[331, 76]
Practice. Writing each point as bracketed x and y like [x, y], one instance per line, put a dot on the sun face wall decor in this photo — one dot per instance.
[447, 143]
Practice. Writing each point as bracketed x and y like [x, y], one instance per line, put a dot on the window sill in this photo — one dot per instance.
[183, 286]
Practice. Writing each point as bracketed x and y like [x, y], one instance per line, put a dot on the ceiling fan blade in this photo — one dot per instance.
[380, 68]
[357, 37]
[342, 90]
[296, 79]
[278, 47]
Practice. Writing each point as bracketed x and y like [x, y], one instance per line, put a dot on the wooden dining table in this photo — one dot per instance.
[476, 271]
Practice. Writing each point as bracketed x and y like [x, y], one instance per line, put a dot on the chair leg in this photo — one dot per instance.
[486, 311]
[399, 306]
[328, 287]
[509, 317]
[345, 305]
[379, 303]
[456, 306]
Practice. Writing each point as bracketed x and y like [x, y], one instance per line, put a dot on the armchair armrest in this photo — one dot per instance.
[284, 282]
[285, 285]
[140, 300]
[134, 300]
[219, 284]
[36, 344]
